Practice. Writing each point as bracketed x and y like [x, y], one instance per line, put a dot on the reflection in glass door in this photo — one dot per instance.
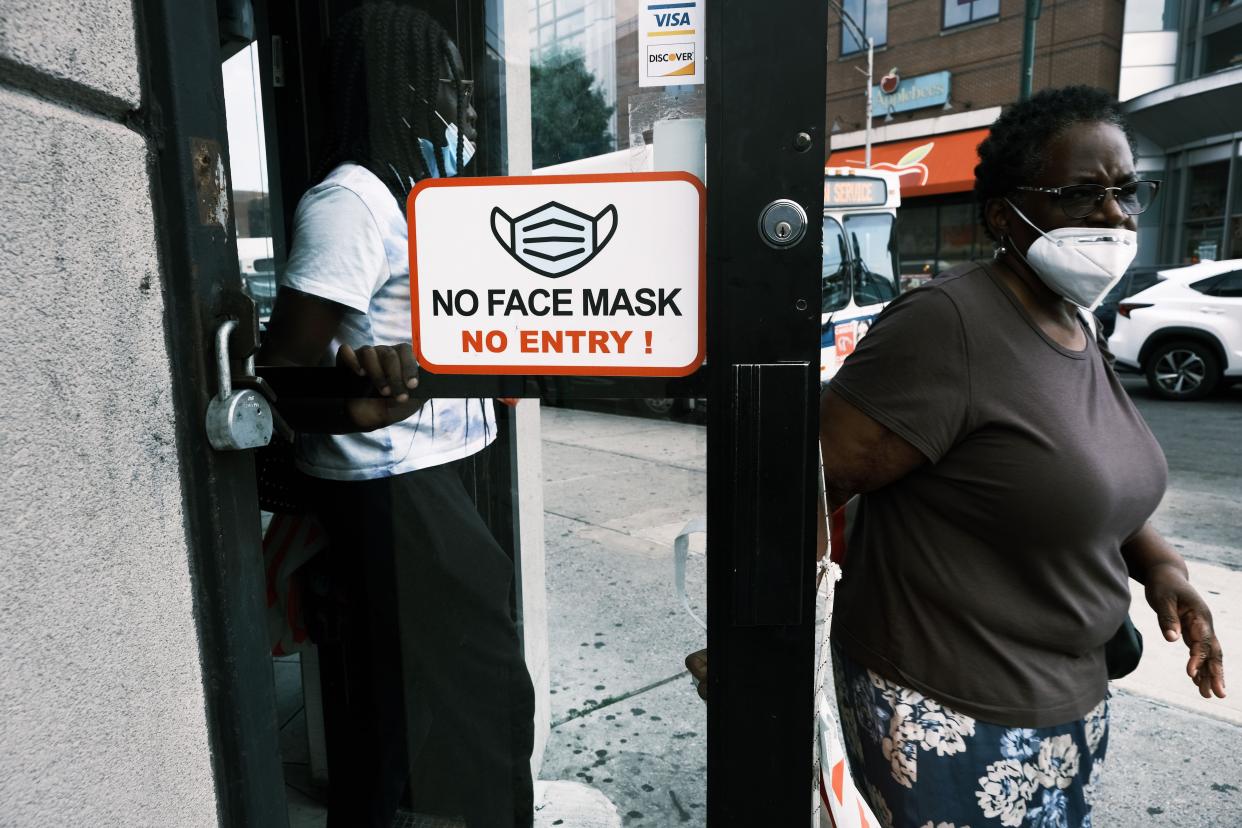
[463, 553]
[619, 489]
[622, 478]
[248, 165]
[583, 500]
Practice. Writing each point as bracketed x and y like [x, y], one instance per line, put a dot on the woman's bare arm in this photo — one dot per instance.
[860, 455]
[301, 330]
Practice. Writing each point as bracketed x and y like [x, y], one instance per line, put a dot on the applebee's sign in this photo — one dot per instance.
[897, 94]
[911, 170]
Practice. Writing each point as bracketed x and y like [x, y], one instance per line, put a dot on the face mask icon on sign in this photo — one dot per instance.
[554, 240]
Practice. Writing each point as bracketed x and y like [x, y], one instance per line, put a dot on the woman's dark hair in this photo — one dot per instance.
[383, 64]
[1015, 151]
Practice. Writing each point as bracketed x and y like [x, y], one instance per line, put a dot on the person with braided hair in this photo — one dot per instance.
[437, 707]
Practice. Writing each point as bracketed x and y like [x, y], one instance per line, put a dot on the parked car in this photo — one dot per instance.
[258, 272]
[1136, 279]
[1185, 332]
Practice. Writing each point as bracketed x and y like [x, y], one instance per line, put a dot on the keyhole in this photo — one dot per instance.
[783, 229]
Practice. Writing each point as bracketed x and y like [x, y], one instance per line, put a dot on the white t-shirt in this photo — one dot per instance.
[350, 245]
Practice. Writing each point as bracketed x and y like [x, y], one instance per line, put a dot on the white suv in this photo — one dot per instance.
[1184, 332]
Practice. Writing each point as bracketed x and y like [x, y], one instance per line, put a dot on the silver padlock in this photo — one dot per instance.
[236, 420]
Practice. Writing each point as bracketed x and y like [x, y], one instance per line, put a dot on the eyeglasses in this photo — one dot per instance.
[465, 88]
[1081, 200]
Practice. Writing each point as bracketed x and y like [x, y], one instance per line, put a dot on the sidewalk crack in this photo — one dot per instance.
[611, 700]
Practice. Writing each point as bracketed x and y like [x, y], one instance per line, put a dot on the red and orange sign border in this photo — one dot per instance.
[561, 370]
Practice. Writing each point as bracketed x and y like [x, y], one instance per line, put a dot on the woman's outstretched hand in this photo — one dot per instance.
[393, 371]
[1184, 614]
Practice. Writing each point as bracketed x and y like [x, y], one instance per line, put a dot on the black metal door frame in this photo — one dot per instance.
[182, 116]
[766, 85]
[766, 90]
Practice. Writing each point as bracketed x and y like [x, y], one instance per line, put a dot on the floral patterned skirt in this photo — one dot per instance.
[922, 765]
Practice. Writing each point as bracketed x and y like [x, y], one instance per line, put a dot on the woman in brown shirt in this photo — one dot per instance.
[1006, 482]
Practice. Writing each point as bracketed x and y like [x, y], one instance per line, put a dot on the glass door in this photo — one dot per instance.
[500, 583]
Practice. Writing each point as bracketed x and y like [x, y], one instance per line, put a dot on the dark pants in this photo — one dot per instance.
[434, 687]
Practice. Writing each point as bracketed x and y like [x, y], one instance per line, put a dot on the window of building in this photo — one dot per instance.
[1206, 190]
[1235, 220]
[1151, 222]
[961, 12]
[1204, 228]
[571, 25]
[872, 17]
[937, 233]
[1222, 49]
[917, 243]
[959, 233]
[574, 48]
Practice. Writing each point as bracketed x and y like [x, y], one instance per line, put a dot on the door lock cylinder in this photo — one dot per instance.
[782, 223]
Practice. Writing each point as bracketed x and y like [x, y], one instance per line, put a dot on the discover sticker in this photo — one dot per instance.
[670, 43]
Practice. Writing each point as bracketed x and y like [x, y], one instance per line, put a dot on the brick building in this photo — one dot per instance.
[956, 62]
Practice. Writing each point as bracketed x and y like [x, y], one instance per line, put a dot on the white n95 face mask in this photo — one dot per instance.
[1081, 264]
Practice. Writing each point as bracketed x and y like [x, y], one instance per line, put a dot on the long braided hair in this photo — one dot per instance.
[383, 64]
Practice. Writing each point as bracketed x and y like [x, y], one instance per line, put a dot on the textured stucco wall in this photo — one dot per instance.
[102, 716]
[88, 45]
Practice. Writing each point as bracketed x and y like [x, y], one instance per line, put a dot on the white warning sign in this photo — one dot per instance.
[574, 274]
[670, 43]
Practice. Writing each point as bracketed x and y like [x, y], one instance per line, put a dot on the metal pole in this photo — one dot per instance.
[1028, 48]
[870, 72]
[860, 36]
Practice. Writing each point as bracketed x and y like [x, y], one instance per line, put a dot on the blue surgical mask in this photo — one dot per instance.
[448, 152]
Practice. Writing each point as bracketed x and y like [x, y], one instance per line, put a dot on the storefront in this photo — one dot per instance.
[1198, 216]
[938, 222]
[1202, 205]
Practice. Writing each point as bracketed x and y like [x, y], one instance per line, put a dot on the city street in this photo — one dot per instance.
[1202, 512]
[619, 488]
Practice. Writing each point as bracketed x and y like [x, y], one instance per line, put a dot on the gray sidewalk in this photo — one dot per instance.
[617, 489]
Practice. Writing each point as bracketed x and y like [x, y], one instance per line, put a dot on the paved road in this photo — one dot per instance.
[617, 490]
[1202, 512]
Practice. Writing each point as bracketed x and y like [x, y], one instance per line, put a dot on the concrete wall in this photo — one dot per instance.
[101, 697]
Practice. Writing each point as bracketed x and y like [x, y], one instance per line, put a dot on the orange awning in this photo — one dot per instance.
[929, 165]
